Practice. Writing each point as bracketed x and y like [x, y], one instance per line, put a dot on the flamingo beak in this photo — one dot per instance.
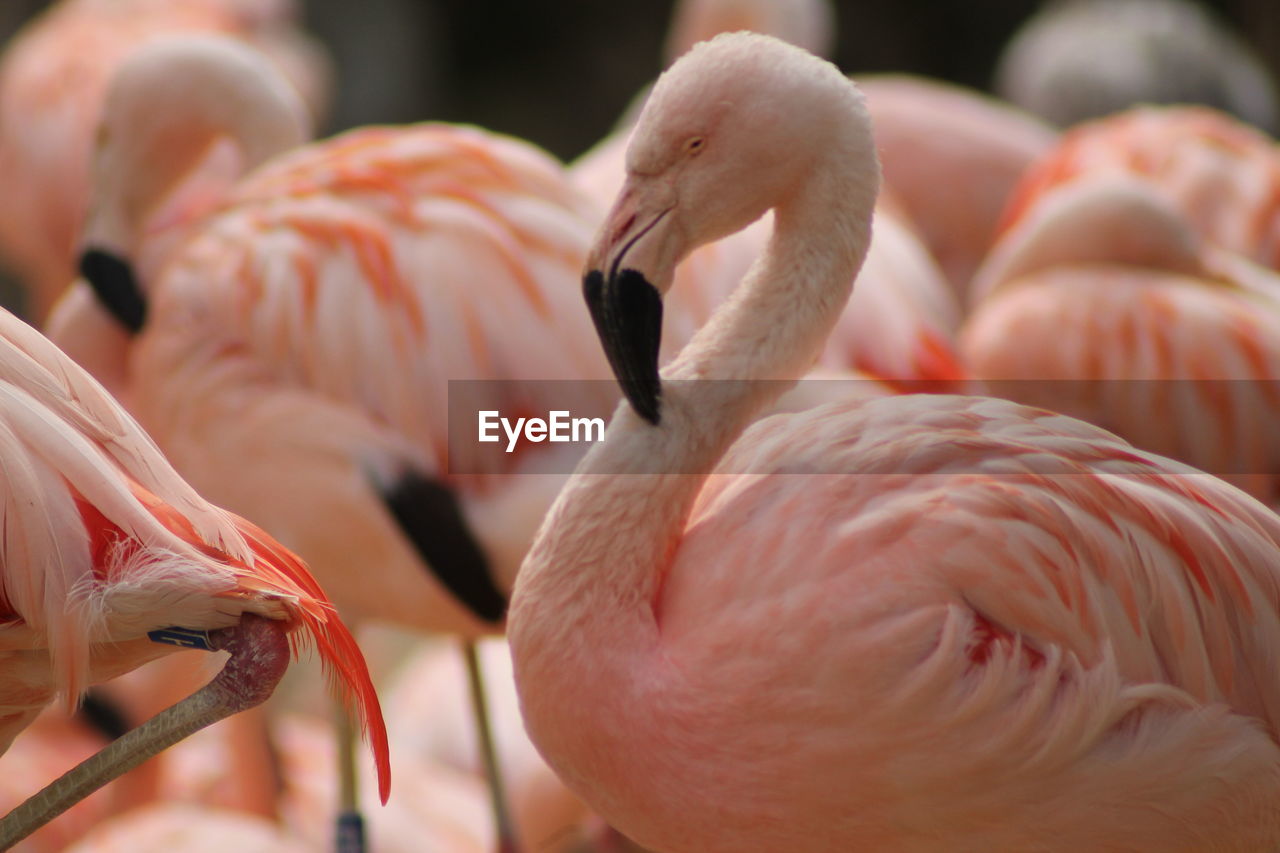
[628, 269]
[116, 287]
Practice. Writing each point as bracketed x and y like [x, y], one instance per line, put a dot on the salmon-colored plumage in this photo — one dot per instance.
[1102, 302]
[103, 542]
[1222, 174]
[336, 294]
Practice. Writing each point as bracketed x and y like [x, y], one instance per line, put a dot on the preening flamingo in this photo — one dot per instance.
[296, 351]
[1103, 303]
[917, 623]
[107, 553]
[53, 78]
[1081, 59]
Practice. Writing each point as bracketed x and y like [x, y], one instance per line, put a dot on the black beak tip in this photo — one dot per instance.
[116, 287]
[646, 400]
[627, 311]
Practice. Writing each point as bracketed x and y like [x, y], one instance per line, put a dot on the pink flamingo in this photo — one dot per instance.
[53, 78]
[917, 623]
[314, 321]
[1103, 303]
[244, 115]
[902, 321]
[951, 157]
[106, 549]
[1223, 175]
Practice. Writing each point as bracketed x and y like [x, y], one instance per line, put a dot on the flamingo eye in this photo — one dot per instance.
[694, 144]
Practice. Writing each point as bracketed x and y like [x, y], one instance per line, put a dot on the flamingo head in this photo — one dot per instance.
[733, 129]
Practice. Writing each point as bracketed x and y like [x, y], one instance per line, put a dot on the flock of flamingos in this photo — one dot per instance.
[1002, 573]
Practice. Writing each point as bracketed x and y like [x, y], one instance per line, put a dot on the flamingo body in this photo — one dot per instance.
[1103, 303]
[911, 623]
[316, 321]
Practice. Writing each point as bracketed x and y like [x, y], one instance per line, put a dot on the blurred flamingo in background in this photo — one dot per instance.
[1104, 303]
[1081, 59]
[108, 555]
[53, 78]
[899, 329]
[922, 622]
[314, 321]
[244, 110]
[429, 726]
[951, 158]
[1222, 175]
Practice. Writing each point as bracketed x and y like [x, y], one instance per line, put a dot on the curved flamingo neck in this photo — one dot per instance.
[585, 598]
[164, 113]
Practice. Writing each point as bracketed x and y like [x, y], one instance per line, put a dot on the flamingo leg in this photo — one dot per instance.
[488, 753]
[349, 833]
[259, 655]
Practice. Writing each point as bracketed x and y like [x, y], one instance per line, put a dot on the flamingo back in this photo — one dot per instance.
[1222, 174]
[1041, 604]
[466, 247]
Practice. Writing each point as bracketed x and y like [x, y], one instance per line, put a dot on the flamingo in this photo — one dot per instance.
[915, 623]
[1081, 59]
[1224, 176]
[53, 78]
[1104, 303]
[246, 115]
[105, 549]
[314, 321]
[951, 158]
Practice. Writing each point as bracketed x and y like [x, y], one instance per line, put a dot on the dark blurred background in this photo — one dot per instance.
[559, 74]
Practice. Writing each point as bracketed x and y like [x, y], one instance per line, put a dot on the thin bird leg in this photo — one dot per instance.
[497, 791]
[259, 656]
[349, 835]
